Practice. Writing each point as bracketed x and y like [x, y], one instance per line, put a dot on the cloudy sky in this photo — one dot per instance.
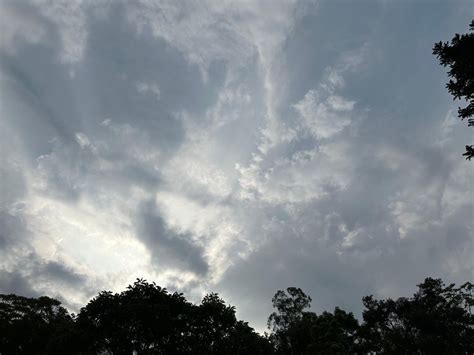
[232, 146]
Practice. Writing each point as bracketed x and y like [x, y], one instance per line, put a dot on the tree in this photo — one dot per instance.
[144, 318]
[244, 340]
[327, 333]
[33, 325]
[148, 319]
[213, 321]
[334, 333]
[436, 320]
[296, 331]
[459, 57]
[217, 330]
[290, 306]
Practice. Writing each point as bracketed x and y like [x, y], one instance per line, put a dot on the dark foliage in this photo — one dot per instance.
[298, 332]
[290, 313]
[147, 319]
[144, 318]
[436, 320]
[33, 326]
[458, 55]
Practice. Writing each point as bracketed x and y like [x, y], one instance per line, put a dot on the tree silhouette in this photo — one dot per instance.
[334, 333]
[436, 320]
[218, 331]
[33, 326]
[296, 331]
[459, 57]
[290, 306]
[147, 319]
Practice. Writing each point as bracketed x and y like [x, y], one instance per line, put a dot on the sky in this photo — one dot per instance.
[239, 147]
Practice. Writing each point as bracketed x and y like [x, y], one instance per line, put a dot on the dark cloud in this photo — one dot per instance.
[12, 230]
[333, 276]
[167, 247]
[290, 261]
[15, 282]
[52, 102]
[57, 271]
[31, 274]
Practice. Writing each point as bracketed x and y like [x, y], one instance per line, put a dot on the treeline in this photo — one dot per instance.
[147, 319]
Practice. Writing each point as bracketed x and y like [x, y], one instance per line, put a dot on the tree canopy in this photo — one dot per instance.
[147, 319]
[33, 325]
[436, 320]
[458, 56]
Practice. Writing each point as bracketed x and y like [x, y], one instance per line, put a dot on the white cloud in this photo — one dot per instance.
[324, 117]
[148, 88]
[70, 19]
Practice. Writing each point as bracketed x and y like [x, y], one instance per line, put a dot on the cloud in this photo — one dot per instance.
[13, 282]
[23, 271]
[324, 119]
[240, 147]
[168, 248]
[146, 88]
[290, 171]
[19, 27]
[70, 19]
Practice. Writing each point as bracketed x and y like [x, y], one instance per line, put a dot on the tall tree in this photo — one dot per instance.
[290, 306]
[436, 320]
[458, 55]
[296, 331]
